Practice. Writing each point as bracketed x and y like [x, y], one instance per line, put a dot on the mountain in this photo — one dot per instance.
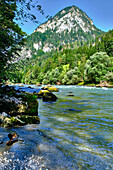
[69, 25]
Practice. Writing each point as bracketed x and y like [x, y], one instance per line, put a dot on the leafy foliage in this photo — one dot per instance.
[74, 64]
[89, 61]
[96, 67]
[11, 36]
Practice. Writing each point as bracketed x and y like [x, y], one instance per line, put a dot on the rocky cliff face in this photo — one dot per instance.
[68, 19]
[69, 25]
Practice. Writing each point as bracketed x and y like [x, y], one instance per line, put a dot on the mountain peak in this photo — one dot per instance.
[66, 19]
[68, 25]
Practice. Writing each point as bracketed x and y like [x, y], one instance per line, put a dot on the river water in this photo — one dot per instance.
[75, 132]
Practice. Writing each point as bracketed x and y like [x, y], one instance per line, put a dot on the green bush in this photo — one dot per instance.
[96, 67]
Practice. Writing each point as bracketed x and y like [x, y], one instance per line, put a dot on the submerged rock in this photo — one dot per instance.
[70, 95]
[29, 87]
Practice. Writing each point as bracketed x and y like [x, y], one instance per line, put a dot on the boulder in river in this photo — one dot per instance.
[50, 88]
[47, 96]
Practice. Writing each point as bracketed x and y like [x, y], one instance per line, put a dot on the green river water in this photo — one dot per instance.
[75, 132]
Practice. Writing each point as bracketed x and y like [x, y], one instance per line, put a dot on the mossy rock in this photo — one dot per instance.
[50, 88]
[1, 120]
[42, 92]
[12, 121]
[26, 107]
[22, 108]
[7, 122]
[17, 105]
[30, 119]
[19, 121]
[53, 89]
[29, 106]
[9, 90]
[47, 96]
[15, 102]
[8, 107]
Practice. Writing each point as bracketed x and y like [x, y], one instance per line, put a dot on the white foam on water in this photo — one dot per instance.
[8, 161]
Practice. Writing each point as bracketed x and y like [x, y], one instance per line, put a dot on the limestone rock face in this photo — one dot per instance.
[67, 26]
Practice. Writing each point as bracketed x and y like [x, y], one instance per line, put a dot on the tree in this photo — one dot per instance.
[96, 67]
[11, 35]
[108, 42]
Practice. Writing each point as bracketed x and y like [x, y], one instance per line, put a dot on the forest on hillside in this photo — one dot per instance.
[75, 63]
[80, 62]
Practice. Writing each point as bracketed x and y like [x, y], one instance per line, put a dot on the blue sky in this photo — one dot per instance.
[100, 11]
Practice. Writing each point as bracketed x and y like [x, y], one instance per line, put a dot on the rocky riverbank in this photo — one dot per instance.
[17, 108]
[21, 108]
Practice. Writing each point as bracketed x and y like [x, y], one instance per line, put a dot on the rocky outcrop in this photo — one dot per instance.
[17, 108]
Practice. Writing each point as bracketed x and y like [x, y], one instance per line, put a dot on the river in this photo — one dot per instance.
[75, 132]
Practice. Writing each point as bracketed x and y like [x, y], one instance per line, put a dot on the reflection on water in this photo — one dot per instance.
[76, 132]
